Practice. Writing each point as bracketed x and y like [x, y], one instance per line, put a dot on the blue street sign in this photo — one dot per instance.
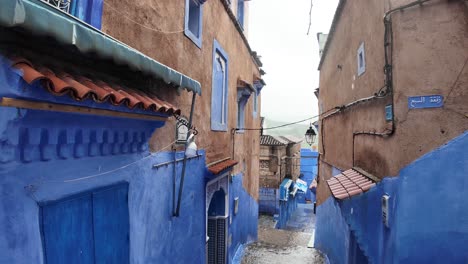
[428, 101]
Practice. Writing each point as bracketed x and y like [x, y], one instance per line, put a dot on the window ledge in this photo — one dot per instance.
[193, 38]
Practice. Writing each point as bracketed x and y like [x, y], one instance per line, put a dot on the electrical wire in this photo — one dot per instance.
[456, 80]
[144, 26]
[289, 124]
[310, 16]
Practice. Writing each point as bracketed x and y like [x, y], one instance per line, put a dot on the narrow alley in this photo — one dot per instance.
[290, 245]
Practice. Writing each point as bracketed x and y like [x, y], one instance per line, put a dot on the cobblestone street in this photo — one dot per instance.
[285, 246]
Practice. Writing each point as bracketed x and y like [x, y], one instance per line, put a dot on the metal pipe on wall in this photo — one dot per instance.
[184, 165]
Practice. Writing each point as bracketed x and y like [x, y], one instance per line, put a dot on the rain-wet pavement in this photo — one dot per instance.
[285, 246]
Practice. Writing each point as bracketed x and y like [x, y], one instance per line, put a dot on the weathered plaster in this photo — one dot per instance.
[168, 44]
[430, 49]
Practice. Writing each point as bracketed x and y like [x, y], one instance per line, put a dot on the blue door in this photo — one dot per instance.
[68, 231]
[88, 228]
[111, 235]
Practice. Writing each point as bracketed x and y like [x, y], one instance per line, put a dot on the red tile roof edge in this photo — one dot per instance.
[349, 183]
[221, 166]
[81, 88]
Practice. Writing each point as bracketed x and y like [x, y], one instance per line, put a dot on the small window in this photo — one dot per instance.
[193, 21]
[240, 12]
[361, 60]
[241, 115]
[219, 92]
[255, 102]
[87, 10]
[243, 95]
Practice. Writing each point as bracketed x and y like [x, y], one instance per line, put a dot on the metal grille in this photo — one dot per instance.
[63, 5]
[212, 241]
[221, 241]
[216, 251]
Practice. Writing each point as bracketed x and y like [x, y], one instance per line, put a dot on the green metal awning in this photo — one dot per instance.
[40, 18]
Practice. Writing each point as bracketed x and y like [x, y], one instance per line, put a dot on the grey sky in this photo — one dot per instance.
[278, 31]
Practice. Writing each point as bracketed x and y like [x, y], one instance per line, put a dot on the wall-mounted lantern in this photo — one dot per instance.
[182, 130]
[310, 135]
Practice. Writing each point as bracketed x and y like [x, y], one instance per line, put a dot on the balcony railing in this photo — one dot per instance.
[63, 5]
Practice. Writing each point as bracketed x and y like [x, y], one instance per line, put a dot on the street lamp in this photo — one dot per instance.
[310, 135]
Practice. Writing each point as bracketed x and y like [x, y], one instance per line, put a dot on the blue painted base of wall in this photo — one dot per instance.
[271, 204]
[428, 216]
[243, 227]
[268, 201]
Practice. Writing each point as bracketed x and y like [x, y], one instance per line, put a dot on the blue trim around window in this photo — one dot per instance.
[361, 59]
[240, 12]
[90, 11]
[255, 106]
[217, 106]
[243, 95]
[193, 22]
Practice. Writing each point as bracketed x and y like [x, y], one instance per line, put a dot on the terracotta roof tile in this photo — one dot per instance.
[81, 88]
[349, 183]
[219, 167]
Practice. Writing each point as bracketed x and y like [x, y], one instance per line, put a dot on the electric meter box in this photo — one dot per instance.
[386, 210]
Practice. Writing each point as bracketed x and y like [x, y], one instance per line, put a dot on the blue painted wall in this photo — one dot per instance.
[309, 172]
[268, 201]
[47, 156]
[428, 216]
[243, 226]
[31, 171]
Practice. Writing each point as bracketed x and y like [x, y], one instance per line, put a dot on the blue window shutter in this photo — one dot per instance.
[81, 9]
[95, 14]
[219, 90]
[67, 227]
[361, 59]
[111, 225]
[240, 12]
[90, 11]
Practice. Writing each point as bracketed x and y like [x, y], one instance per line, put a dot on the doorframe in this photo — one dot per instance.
[220, 182]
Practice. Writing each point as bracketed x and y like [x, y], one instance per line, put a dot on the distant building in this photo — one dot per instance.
[279, 169]
[393, 133]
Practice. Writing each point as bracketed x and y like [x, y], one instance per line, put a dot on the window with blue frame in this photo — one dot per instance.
[193, 21]
[240, 12]
[255, 108]
[91, 227]
[90, 11]
[219, 91]
[243, 94]
[361, 59]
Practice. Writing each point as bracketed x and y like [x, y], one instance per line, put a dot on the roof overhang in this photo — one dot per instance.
[38, 17]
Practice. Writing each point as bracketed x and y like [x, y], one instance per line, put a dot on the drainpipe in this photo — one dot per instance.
[184, 164]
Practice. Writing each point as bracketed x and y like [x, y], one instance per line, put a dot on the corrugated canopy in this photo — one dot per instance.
[40, 18]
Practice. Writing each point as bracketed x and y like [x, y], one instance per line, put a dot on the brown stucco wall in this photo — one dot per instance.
[430, 49]
[156, 29]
